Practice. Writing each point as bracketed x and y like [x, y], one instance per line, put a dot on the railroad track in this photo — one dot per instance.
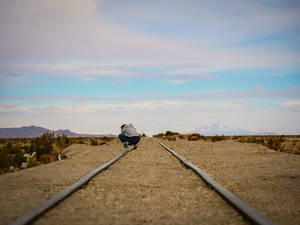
[243, 208]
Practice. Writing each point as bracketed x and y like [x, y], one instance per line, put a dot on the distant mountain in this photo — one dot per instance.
[221, 129]
[34, 131]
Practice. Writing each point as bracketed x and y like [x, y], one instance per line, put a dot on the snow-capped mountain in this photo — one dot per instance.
[221, 129]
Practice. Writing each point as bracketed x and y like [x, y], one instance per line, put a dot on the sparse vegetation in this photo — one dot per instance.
[43, 149]
[80, 142]
[160, 135]
[11, 156]
[196, 137]
[290, 144]
[4, 158]
[94, 142]
[282, 143]
[47, 158]
[107, 139]
[273, 142]
[171, 138]
[170, 133]
[43, 145]
[217, 138]
[62, 142]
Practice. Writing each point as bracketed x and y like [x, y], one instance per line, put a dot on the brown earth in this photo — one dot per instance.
[150, 186]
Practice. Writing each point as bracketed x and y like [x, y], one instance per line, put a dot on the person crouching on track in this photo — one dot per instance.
[129, 135]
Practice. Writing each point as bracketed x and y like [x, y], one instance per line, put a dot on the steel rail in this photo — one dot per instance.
[31, 215]
[241, 206]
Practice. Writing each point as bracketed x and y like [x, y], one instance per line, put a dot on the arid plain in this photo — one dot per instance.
[150, 186]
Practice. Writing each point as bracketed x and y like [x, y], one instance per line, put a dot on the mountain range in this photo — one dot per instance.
[221, 129]
[34, 131]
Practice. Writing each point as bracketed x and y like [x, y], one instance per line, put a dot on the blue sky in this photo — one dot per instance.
[90, 66]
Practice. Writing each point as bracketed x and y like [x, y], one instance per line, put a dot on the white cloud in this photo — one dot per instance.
[90, 72]
[72, 30]
[259, 88]
[80, 99]
[292, 105]
[9, 106]
[228, 95]
[156, 106]
[78, 32]
[60, 70]
[122, 81]
[208, 23]
[244, 94]
[176, 81]
[277, 74]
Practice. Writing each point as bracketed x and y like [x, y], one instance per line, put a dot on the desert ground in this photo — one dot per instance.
[150, 186]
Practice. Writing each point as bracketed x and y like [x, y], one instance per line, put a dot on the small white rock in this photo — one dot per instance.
[24, 165]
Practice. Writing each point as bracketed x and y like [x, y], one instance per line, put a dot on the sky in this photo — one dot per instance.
[90, 66]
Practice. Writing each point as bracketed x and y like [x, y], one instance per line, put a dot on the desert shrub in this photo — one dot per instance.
[143, 135]
[8, 145]
[15, 149]
[107, 139]
[43, 145]
[47, 148]
[16, 160]
[33, 162]
[12, 148]
[56, 152]
[62, 142]
[181, 136]
[102, 143]
[27, 149]
[11, 155]
[4, 158]
[170, 133]
[46, 158]
[171, 138]
[217, 138]
[273, 142]
[160, 135]
[94, 142]
[79, 140]
[195, 137]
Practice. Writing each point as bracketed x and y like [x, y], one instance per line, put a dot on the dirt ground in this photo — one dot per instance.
[150, 186]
